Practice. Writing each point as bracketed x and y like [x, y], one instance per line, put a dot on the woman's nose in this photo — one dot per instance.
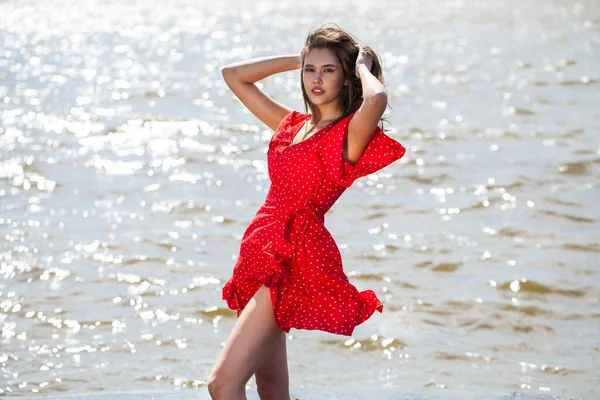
[317, 77]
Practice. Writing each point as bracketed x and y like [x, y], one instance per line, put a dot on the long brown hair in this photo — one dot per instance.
[343, 44]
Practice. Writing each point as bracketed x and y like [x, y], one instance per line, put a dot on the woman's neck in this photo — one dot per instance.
[328, 114]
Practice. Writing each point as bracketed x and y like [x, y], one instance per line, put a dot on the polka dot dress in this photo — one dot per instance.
[287, 247]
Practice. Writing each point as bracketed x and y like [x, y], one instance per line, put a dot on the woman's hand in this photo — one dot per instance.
[363, 59]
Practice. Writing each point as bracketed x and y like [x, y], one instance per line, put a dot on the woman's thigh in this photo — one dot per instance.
[252, 338]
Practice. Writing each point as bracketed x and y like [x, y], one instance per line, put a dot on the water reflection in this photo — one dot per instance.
[128, 174]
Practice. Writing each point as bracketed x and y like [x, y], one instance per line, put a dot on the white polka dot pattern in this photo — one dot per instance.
[287, 247]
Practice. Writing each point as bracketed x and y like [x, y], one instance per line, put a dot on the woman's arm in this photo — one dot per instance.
[365, 120]
[240, 77]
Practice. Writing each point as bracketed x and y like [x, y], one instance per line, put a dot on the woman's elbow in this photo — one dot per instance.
[377, 100]
[381, 97]
[227, 71]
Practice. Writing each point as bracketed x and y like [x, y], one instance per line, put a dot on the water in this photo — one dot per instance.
[322, 394]
[128, 173]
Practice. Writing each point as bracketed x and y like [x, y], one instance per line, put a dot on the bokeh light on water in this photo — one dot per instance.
[128, 173]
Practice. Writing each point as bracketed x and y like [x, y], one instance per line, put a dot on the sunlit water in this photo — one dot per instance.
[128, 173]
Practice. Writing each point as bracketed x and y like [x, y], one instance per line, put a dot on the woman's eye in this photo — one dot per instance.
[308, 69]
[328, 70]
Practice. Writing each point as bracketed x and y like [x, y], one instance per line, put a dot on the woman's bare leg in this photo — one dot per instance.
[272, 377]
[247, 347]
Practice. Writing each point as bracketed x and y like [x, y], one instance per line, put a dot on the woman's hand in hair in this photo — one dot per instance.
[363, 58]
[374, 102]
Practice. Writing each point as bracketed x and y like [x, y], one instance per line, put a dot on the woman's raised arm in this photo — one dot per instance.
[365, 120]
[241, 78]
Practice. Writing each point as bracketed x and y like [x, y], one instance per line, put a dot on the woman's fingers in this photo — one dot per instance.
[363, 58]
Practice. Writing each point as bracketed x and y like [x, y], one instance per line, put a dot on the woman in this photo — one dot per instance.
[289, 271]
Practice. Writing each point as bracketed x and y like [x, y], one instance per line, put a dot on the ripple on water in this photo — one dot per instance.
[467, 356]
[375, 343]
[590, 247]
[532, 311]
[512, 232]
[440, 267]
[527, 286]
[565, 216]
[213, 312]
[578, 167]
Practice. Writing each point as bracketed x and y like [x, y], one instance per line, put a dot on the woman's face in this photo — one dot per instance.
[323, 77]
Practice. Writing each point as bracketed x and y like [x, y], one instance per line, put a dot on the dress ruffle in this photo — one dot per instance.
[286, 130]
[381, 151]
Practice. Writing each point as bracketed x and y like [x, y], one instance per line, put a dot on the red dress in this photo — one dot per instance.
[287, 247]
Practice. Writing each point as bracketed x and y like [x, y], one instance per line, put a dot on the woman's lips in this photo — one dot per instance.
[317, 92]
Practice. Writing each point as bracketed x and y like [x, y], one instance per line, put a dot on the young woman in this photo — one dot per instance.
[289, 270]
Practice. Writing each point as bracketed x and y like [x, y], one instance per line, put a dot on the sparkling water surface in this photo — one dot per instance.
[129, 172]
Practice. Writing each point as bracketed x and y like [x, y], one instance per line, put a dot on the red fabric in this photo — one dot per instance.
[287, 247]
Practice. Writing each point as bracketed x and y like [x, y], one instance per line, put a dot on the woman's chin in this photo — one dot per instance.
[319, 100]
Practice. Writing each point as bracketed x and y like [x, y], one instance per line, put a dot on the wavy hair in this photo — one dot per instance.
[343, 44]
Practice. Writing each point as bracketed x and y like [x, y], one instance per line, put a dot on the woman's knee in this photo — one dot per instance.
[220, 387]
[214, 386]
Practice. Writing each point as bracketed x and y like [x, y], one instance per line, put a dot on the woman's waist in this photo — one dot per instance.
[273, 207]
